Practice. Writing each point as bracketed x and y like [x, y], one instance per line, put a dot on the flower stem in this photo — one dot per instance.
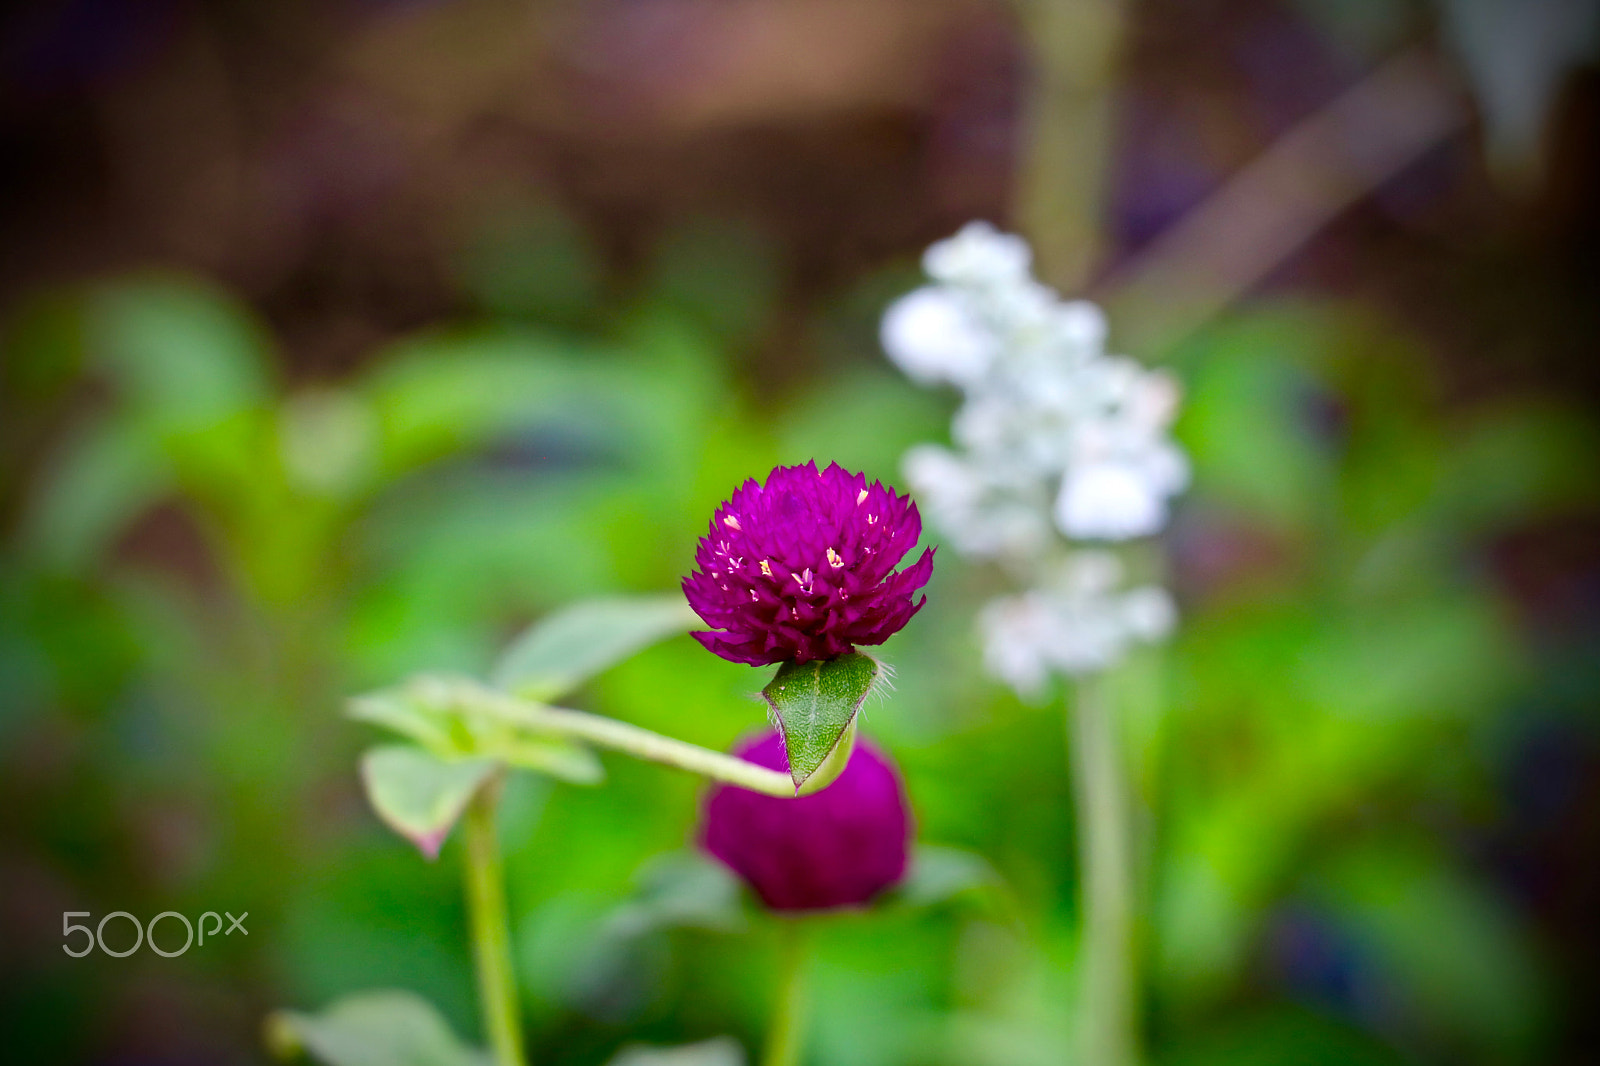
[1061, 181]
[1109, 1014]
[608, 733]
[491, 934]
[785, 1036]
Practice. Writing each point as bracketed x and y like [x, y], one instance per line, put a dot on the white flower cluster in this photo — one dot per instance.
[1077, 621]
[1055, 438]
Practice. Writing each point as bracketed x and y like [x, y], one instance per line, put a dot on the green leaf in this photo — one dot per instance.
[419, 795]
[101, 479]
[381, 1028]
[680, 889]
[1281, 1035]
[939, 874]
[815, 704]
[185, 355]
[527, 258]
[718, 1051]
[423, 711]
[445, 392]
[1451, 947]
[559, 757]
[567, 648]
[396, 710]
[718, 273]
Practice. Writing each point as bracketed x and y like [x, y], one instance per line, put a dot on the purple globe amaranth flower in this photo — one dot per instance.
[837, 847]
[802, 568]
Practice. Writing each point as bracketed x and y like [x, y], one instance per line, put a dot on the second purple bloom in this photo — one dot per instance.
[837, 848]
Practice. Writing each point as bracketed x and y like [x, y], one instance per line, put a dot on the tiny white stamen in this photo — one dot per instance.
[834, 560]
[731, 522]
[861, 497]
[872, 519]
[753, 597]
[765, 569]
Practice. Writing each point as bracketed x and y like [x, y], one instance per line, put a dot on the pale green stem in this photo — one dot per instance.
[1108, 1019]
[786, 1035]
[491, 932]
[609, 733]
[1061, 181]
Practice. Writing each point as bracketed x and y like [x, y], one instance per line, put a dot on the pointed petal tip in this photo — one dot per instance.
[430, 843]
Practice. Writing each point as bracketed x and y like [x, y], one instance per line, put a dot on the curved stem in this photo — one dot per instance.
[1108, 1010]
[786, 1035]
[491, 934]
[621, 736]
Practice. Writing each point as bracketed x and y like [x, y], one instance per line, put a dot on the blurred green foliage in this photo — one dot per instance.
[207, 558]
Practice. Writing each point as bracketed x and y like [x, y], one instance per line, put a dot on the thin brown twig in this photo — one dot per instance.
[1271, 208]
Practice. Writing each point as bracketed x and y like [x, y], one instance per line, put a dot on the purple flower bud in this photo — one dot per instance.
[801, 568]
[834, 848]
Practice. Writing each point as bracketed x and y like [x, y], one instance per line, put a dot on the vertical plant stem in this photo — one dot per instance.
[491, 932]
[787, 1031]
[1061, 183]
[1107, 1026]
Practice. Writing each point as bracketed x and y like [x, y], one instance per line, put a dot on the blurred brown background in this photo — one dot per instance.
[334, 162]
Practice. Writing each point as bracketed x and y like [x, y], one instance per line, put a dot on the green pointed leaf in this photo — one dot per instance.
[718, 1051]
[560, 652]
[104, 476]
[680, 889]
[380, 1028]
[939, 874]
[424, 711]
[185, 356]
[559, 757]
[399, 711]
[815, 704]
[419, 795]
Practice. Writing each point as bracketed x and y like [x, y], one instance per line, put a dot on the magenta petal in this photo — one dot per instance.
[728, 648]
